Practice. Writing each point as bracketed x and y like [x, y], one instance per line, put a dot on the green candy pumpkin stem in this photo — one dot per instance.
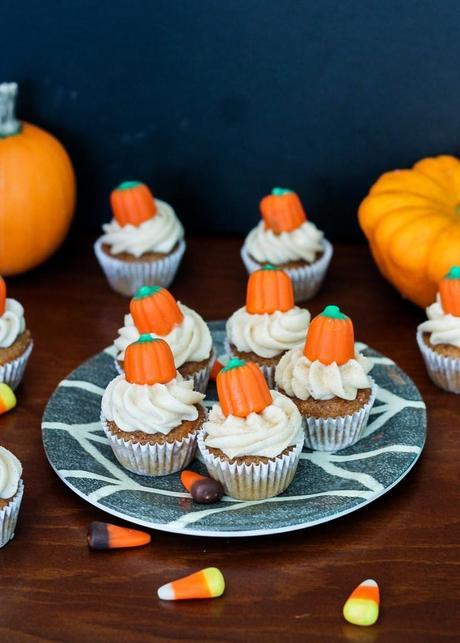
[334, 312]
[146, 291]
[145, 337]
[454, 273]
[280, 191]
[128, 185]
[9, 125]
[235, 362]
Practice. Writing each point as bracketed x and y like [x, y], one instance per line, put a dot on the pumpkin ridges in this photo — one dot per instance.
[435, 168]
[444, 254]
[149, 361]
[330, 338]
[411, 245]
[242, 389]
[269, 290]
[410, 182]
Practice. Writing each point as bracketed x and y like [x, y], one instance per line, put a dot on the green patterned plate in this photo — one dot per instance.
[326, 485]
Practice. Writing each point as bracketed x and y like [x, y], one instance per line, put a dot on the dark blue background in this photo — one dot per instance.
[213, 102]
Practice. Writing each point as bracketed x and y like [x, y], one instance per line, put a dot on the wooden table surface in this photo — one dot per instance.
[286, 587]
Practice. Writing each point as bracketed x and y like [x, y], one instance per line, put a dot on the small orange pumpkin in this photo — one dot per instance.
[2, 295]
[330, 338]
[449, 289]
[269, 289]
[154, 310]
[282, 211]
[149, 360]
[132, 203]
[242, 389]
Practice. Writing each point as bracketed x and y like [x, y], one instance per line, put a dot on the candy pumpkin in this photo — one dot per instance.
[154, 310]
[242, 389]
[132, 203]
[412, 221]
[268, 290]
[149, 361]
[2, 295]
[282, 211]
[449, 290]
[37, 190]
[330, 338]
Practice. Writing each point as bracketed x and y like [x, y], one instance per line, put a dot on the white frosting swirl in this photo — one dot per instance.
[268, 335]
[10, 473]
[444, 327]
[190, 341]
[299, 377]
[303, 243]
[158, 234]
[12, 323]
[152, 409]
[264, 434]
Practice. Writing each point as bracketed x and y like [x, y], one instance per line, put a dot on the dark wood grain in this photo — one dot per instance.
[286, 587]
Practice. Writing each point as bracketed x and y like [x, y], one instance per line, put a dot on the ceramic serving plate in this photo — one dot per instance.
[326, 485]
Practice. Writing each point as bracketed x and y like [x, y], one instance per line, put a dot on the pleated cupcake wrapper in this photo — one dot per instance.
[268, 371]
[126, 277]
[152, 459]
[251, 481]
[443, 371]
[9, 516]
[333, 434]
[307, 279]
[12, 372]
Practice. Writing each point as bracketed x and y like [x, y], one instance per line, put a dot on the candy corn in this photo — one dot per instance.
[7, 398]
[362, 606]
[203, 490]
[103, 535]
[207, 583]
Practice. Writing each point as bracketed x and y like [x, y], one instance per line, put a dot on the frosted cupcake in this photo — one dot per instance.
[329, 383]
[15, 339]
[151, 415]
[144, 242]
[253, 437]
[11, 491]
[154, 310]
[439, 337]
[284, 238]
[269, 324]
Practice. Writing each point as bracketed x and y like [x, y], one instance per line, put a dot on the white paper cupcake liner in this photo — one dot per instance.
[268, 371]
[251, 481]
[126, 277]
[306, 280]
[152, 459]
[443, 371]
[118, 366]
[12, 372]
[333, 434]
[9, 516]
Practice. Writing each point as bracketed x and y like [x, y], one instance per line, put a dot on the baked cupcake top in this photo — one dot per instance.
[141, 224]
[155, 311]
[443, 322]
[269, 324]
[10, 474]
[284, 234]
[250, 420]
[151, 396]
[12, 322]
[328, 366]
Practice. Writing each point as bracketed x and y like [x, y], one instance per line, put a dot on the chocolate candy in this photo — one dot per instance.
[103, 535]
[203, 490]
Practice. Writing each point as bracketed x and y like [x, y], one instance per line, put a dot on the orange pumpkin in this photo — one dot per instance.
[412, 221]
[269, 289]
[149, 361]
[132, 203]
[282, 211]
[37, 190]
[154, 310]
[2, 295]
[242, 389]
[330, 338]
[449, 289]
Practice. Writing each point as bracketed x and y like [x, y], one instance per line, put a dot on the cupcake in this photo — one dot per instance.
[11, 490]
[270, 324]
[154, 310]
[439, 337]
[144, 242]
[284, 238]
[15, 339]
[151, 415]
[253, 437]
[329, 383]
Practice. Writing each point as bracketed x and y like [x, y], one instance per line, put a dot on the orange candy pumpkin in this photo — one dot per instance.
[154, 310]
[149, 361]
[282, 211]
[132, 203]
[2, 295]
[242, 389]
[449, 289]
[268, 290]
[330, 338]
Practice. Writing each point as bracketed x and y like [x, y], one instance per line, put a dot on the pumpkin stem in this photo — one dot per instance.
[128, 185]
[280, 191]
[235, 362]
[454, 273]
[8, 123]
